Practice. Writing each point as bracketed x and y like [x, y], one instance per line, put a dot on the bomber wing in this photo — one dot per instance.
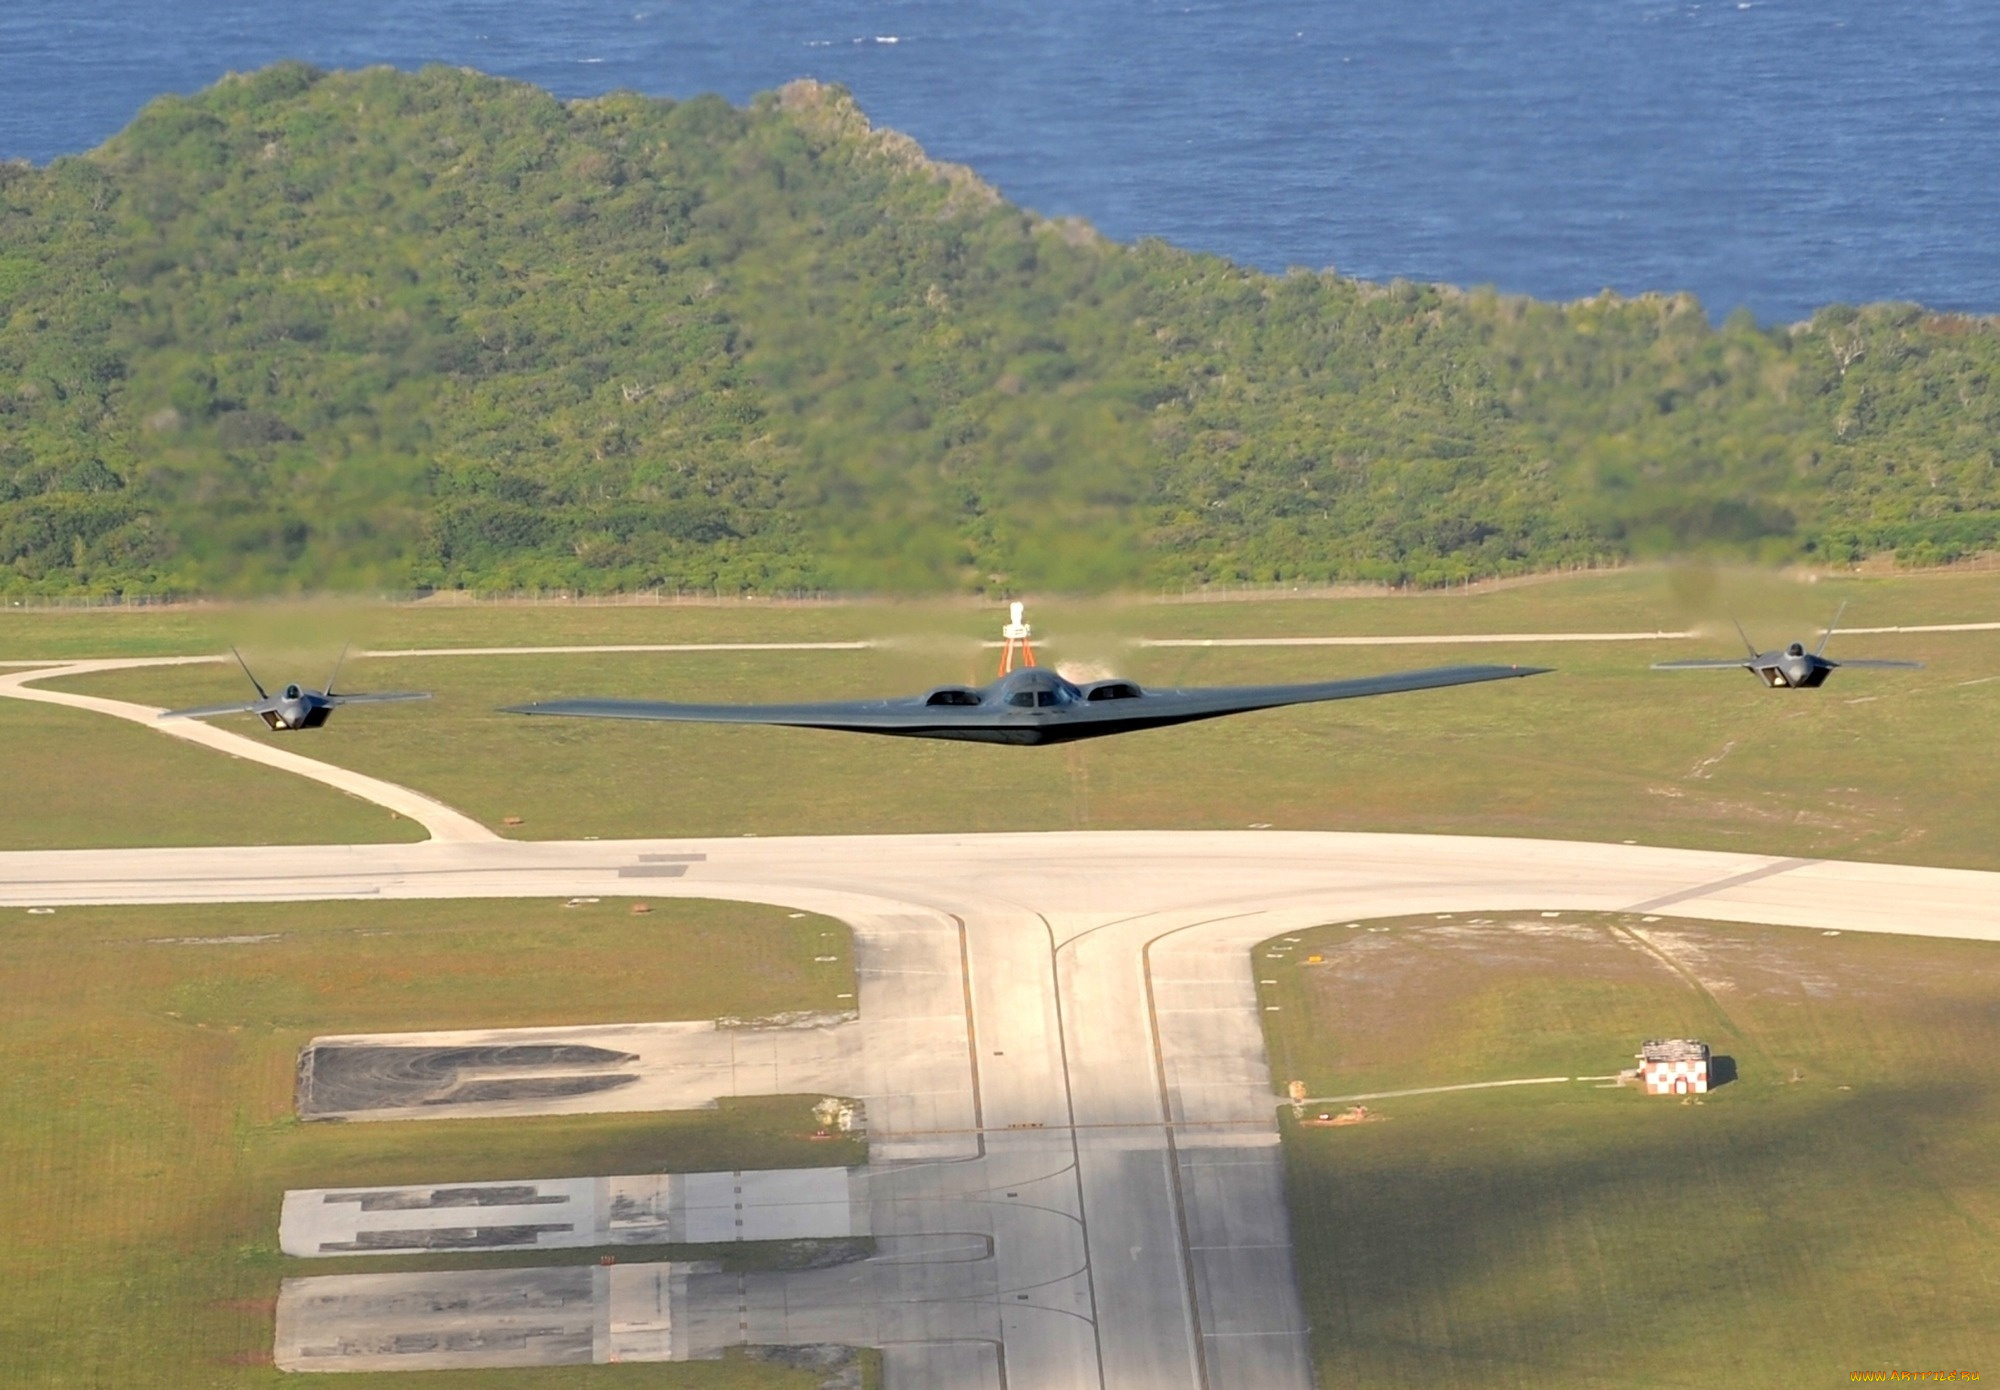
[989, 721]
[1877, 665]
[862, 716]
[1731, 664]
[1240, 699]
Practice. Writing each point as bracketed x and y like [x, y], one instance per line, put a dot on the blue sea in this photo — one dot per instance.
[1774, 154]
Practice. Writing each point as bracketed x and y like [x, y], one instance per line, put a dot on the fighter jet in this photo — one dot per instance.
[1793, 668]
[1030, 705]
[296, 706]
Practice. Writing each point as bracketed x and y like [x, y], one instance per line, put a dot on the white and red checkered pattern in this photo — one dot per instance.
[1675, 1078]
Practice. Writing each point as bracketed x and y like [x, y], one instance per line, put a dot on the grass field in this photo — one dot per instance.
[146, 1127]
[74, 778]
[1836, 1208]
[1885, 765]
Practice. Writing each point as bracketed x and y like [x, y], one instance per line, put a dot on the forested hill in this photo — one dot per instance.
[381, 329]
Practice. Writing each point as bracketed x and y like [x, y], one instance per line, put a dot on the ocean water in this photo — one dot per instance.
[1774, 154]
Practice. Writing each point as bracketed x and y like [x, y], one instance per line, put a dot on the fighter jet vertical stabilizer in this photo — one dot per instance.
[1792, 667]
[296, 706]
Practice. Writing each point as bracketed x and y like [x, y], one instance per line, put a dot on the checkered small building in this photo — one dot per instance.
[1674, 1067]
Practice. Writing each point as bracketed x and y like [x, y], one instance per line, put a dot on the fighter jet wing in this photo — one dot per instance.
[204, 711]
[1882, 665]
[999, 723]
[384, 697]
[1737, 665]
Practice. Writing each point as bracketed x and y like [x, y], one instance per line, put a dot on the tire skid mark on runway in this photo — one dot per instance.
[1076, 1157]
[1051, 1282]
[1782, 866]
[1173, 1149]
[971, 1033]
[1030, 1181]
[981, 1241]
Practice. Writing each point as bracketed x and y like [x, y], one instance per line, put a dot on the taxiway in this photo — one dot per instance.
[1074, 1164]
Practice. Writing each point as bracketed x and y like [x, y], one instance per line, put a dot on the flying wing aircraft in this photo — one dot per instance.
[1792, 668]
[1031, 705]
[296, 706]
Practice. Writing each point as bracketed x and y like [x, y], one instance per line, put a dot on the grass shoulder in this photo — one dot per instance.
[1579, 1233]
[146, 1126]
[1871, 767]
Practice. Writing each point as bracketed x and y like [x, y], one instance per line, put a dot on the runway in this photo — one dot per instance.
[1074, 1165]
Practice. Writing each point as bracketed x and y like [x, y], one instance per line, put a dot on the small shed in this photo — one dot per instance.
[1674, 1067]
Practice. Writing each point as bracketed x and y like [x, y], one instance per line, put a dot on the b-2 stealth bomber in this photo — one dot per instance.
[1031, 705]
[1794, 667]
[296, 706]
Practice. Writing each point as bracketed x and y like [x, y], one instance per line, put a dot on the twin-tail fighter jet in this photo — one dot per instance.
[1793, 668]
[296, 706]
[1030, 705]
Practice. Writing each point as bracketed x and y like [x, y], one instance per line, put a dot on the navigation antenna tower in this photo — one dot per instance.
[1016, 633]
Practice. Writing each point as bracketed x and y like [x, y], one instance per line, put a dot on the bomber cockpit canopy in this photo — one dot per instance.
[1036, 687]
[1796, 649]
[292, 692]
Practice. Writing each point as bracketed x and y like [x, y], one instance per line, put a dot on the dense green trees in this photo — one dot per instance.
[382, 330]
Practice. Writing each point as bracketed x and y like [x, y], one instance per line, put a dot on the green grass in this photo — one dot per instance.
[146, 1124]
[1871, 767]
[1835, 1208]
[73, 778]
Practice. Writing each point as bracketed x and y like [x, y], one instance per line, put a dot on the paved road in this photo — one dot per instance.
[1065, 1064]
